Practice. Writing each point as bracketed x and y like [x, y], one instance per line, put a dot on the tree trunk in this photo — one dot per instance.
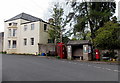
[60, 36]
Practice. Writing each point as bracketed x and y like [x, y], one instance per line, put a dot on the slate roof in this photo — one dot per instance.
[78, 42]
[25, 17]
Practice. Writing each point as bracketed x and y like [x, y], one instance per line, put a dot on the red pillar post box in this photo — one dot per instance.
[97, 54]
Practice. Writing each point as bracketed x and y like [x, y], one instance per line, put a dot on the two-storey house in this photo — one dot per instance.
[24, 33]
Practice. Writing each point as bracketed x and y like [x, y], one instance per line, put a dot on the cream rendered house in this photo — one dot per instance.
[24, 33]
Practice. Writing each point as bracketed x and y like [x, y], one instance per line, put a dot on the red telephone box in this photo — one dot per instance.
[61, 50]
[97, 54]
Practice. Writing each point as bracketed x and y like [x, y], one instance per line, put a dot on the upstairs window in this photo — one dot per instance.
[14, 32]
[32, 41]
[32, 26]
[9, 32]
[14, 24]
[25, 27]
[45, 27]
[14, 44]
[10, 24]
[25, 41]
[9, 43]
[50, 41]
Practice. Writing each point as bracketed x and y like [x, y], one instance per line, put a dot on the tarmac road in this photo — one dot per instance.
[32, 68]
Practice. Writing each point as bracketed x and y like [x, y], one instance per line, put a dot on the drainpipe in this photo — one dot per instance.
[40, 25]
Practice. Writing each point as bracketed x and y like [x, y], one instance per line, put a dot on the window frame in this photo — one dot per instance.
[9, 44]
[32, 40]
[25, 27]
[10, 24]
[14, 32]
[45, 27]
[32, 26]
[9, 32]
[14, 45]
[15, 24]
[25, 41]
[50, 41]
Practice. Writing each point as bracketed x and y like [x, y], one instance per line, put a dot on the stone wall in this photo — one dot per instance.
[45, 48]
[69, 52]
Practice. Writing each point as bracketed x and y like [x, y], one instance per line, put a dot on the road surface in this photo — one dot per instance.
[32, 68]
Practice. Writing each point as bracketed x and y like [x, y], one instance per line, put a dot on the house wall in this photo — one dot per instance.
[44, 36]
[28, 34]
[6, 37]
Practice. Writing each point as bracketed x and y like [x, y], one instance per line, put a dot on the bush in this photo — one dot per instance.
[39, 54]
[58, 57]
[4, 52]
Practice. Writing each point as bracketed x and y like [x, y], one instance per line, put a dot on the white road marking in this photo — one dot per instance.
[98, 67]
[89, 65]
[116, 70]
[69, 62]
[95, 66]
[107, 68]
[81, 64]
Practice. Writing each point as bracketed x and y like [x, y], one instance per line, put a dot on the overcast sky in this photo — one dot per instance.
[38, 8]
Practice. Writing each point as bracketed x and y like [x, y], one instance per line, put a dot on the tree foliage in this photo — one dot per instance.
[92, 15]
[58, 24]
[107, 37]
[57, 21]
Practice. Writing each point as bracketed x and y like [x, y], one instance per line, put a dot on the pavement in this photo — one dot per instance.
[31, 68]
[95, 62]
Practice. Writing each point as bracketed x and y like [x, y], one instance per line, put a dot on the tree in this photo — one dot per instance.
[55, 31]
[107, 37]
[58, 24]
[92, 15]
